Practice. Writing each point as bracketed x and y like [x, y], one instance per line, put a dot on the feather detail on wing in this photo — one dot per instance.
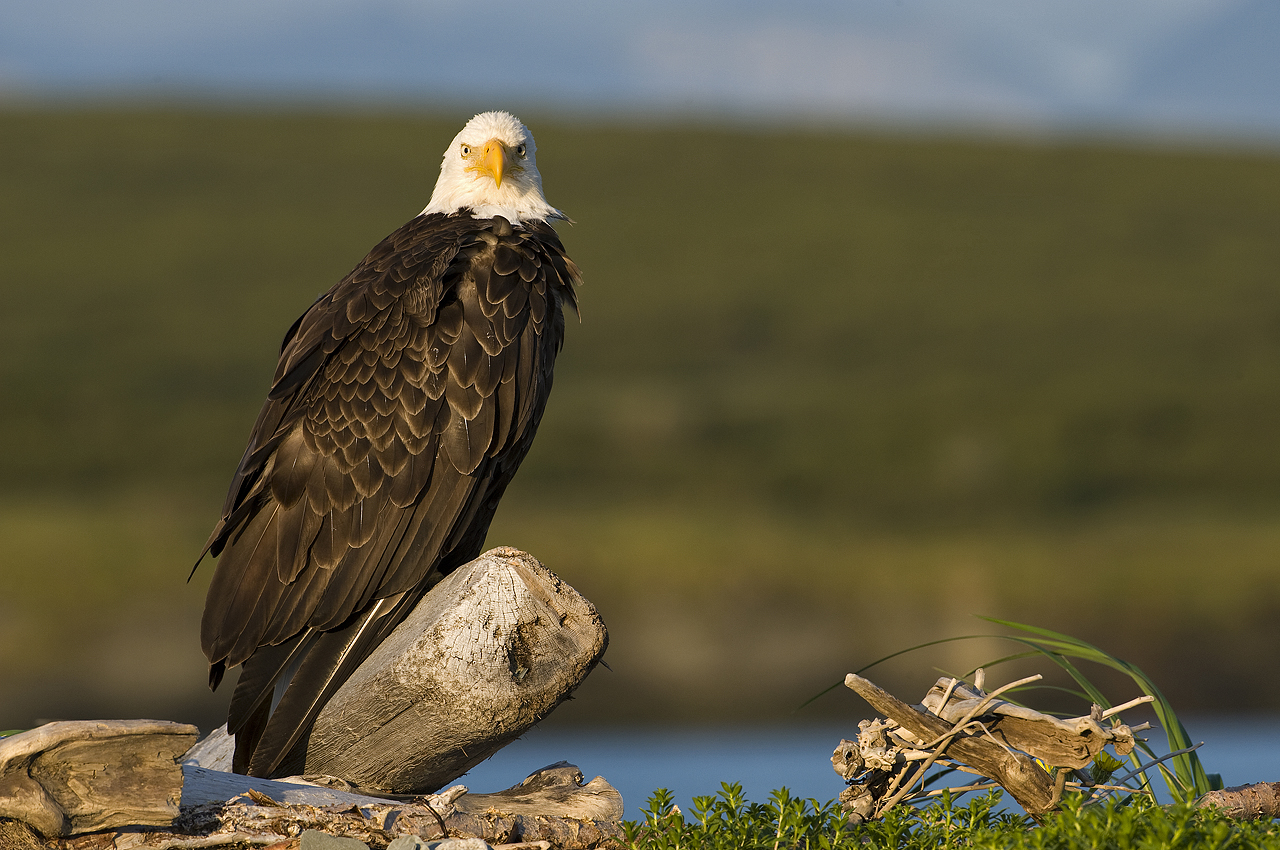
[403, 402]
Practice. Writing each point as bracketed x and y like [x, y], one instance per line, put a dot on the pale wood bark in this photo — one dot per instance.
[84, 775]
[1246, 802]
[489, 652]
[201, 786]
[552, 806]
[558, 790]
[1061, 743]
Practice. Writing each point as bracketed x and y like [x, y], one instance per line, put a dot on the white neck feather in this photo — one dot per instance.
[514, 208]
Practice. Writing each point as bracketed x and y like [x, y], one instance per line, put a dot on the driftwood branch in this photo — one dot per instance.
[557, 789]
[84, 775]
[1246, 802]
[552, 805]
[1061, 743]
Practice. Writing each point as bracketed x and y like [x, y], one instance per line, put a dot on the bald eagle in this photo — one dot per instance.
[404, 399]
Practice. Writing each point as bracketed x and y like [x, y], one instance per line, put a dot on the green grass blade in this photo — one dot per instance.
[879, 661]
[1192, 780]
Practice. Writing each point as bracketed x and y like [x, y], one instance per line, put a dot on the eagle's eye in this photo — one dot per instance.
[466, 150]
[520, 151]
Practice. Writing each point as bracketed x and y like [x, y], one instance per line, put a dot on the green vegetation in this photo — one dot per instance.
[728, 822]
[832, 393]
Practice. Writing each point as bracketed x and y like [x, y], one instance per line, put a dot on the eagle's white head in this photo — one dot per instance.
[491, 168]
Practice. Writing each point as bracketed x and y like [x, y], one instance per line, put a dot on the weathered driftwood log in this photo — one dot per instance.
[201, 786]
[489, 652]
[556, 790]
[1246, 802]
[552, 805]
[83, 775]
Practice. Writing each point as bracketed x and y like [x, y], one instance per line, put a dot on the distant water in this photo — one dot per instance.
[693, 762]
[1242, 749]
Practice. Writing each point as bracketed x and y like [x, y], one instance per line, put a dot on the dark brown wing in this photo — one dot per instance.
[403, 402]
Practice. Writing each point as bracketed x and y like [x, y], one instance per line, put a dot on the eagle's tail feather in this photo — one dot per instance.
[329, 662]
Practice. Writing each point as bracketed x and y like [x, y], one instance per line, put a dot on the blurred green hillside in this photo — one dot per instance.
[831, 395]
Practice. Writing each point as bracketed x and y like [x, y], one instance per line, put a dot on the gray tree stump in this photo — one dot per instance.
[489, 652]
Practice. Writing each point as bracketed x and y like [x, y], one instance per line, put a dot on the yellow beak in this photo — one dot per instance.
[493, 160]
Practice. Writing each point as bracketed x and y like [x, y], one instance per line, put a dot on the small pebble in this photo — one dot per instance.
[315, 840]
[413, 842]
[407, 842]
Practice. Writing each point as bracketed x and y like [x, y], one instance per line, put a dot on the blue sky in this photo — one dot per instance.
[1190, 67]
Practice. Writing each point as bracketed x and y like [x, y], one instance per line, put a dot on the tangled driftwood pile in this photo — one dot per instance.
[1035, 757]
